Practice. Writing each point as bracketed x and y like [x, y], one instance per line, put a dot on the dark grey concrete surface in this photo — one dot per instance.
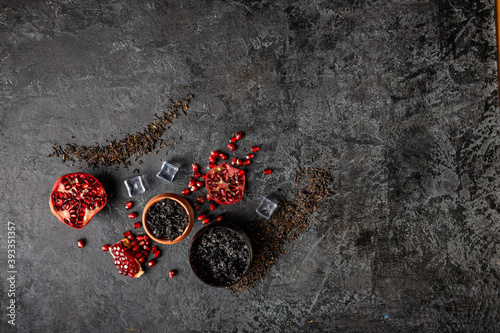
[400, 95]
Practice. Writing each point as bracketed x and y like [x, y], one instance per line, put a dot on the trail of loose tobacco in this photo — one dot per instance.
[133, 145]
[291, 219]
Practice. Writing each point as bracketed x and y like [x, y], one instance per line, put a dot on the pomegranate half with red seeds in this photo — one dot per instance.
[126, 263]
[225, 184]
[76, 198]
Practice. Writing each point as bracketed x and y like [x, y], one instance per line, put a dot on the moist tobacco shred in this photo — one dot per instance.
[119, 152]
[290, 220]
[167, 218]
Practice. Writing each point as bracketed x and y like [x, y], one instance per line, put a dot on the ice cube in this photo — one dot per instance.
[135, 186]
[266, 208]
[167, 172]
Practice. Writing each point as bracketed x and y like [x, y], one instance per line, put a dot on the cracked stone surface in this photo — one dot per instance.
[401, 96]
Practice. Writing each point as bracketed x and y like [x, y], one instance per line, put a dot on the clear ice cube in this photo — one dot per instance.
[135, 186]
[167, 172]
[266, 208]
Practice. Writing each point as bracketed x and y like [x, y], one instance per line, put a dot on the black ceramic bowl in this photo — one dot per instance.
[220, 254]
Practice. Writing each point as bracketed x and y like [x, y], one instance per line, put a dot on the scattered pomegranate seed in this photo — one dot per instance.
[267, 171]
[255, 149]
[232, 139]
[195, 167]
[212, 206]
[212, 159]
[196, 175]
[247, 162]
[146, 237]
[201, 217]
[132, 215]
[154, 248]
[233, 162]
[223, 156]
[201, 199]
[142, 260]
[191, 182]
[200, 184]
[219, 218]
[215, 153]
[206, 220]
[137, 225]
[239, 135]
[196, 206]
[194, 188]
[231, 147]
[241, 172]
[127, 233]
[151, 263]
[239, 162]
[211, 165]
[139, 238]
[186, 191]
[209, 197]
[157, 254]
[171, 273]
[129, 205]
[105, 247]
[249, 156]
[81, 243]
[204, 176]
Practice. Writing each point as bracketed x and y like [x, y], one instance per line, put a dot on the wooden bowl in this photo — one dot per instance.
[184, 203]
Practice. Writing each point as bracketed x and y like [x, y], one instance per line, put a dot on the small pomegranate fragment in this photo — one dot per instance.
[129, 205]
[223, 156]
[201, 217]
[105, 247]
[137, 225]
[186, 191]
[126, 263]
[201, 199]
[212, 206]
[219, 218]
[132, 215]
[239, 135]
[206, 220]
[249, 156]
[255, 149]
[267, 171]
[76, 198]
[171, 274]
[195, 167]
[232, 139]
[215, 153]
[231, 147]
[225, 184]
[81, 243]
[247, 162]
[151, 263]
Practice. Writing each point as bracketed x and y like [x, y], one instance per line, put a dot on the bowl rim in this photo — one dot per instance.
[184, 203]
[234, 228]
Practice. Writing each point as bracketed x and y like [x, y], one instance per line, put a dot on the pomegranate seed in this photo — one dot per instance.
[157, 254]
[211, 165]
[195, 167]
[186, 191]
[249, 156]
[139, 238]
[239, 135]
[142, 260]
[239, 162]
[219, 218]
[127, 233]
[233, 162]
[201, 199]
[204, 176]
[223, 156]
[132, 215]
[209, 197]
[129, 205]
[201, 217]
[146, 237]
[215, 153]
[212, 159]
[105, 247]
[191, 182]
[171, 273]
[137, 225]
[194, 188]
[205, 221]
[247, 162]
[212, 206]
[196, 206]
[81, 243]
[241, 173]
[232, 139]
[231, 147]
[154, 248]
[151, 263]
[196, 175]
[255, 149]
[267, 171]
[200, 184]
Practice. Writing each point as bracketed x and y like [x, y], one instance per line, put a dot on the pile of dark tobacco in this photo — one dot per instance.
[167, 218]
[291, 218]
[133, 145]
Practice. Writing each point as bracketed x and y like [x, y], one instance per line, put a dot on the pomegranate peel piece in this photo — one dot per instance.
[225, 184]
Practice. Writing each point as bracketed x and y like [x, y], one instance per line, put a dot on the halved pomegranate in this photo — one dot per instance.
[125, 261]
[225, 184]
[76, 198]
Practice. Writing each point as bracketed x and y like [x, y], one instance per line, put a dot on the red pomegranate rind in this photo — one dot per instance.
[225, 184]
[76, 198]
[124, 261]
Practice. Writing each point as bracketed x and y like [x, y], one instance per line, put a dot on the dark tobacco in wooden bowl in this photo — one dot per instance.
[220, 255]
[167, 218]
